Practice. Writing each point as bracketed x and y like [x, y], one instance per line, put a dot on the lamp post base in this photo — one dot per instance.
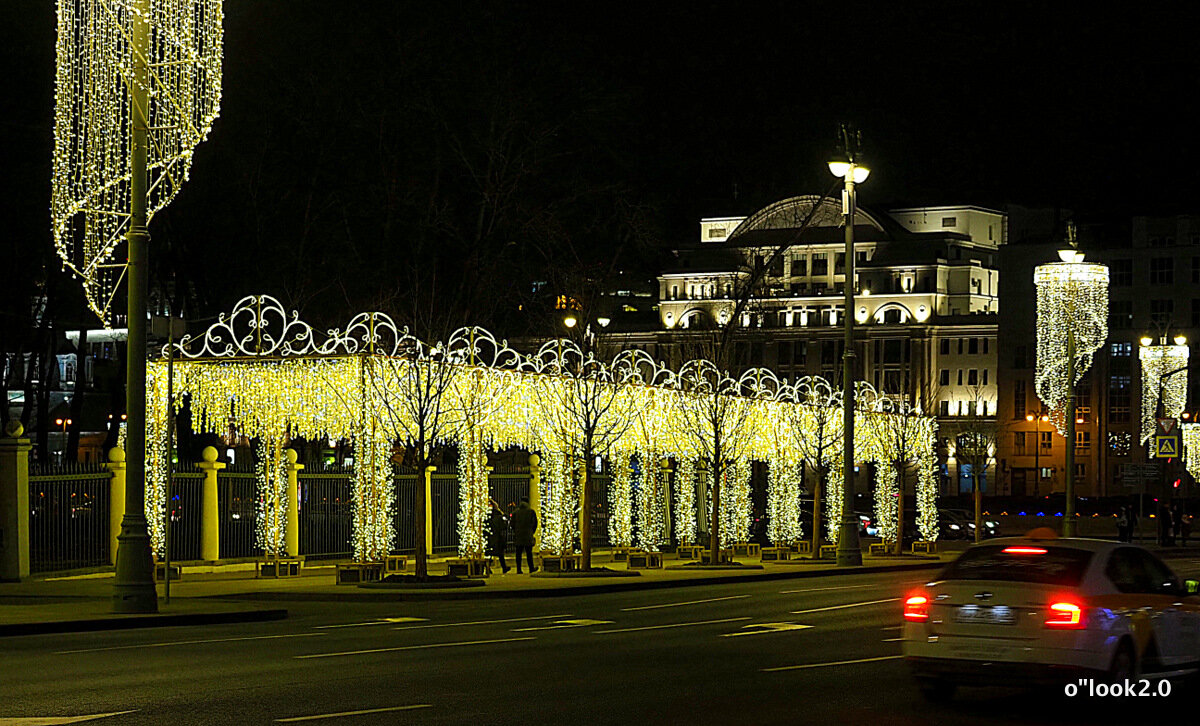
[849, 553]
[134, 590]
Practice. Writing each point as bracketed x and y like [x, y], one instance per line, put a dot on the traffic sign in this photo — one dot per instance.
[1166, 426]
[1166, 447]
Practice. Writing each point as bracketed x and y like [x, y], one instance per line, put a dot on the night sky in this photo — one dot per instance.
[354, 136]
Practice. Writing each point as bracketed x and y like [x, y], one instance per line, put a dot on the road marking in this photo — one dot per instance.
[828, 665]
[891, 640]
[189, 642]
[414, 647]
[680, 604]
[353, 713]
[56, 720]
[766, 628]
[558, 624]
[892, 627]
[381, 621]
[847, 605]
[672, 625]
[484, 622]
[824, 589]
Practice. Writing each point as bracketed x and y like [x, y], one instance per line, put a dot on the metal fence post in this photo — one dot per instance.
[291, 530]
[116, 498]
[535, 493]
[429, 509]
[14, 503]
[210, 529]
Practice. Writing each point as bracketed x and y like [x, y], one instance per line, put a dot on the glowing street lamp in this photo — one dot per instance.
[1037, 450]
[1072, 324]
[847, 164]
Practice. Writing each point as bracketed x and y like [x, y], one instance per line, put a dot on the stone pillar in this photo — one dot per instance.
[14, 503]
[210, 531]
[665, 480]
[535, 492]
[429, 509]
[116, 499]
[291, 528]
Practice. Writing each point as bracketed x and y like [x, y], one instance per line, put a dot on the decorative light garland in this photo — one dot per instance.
[1191, 448]
[783, 502]
[620, 501]
[1072, 306]
[90, 183]
[685, 502]
[1164, 368]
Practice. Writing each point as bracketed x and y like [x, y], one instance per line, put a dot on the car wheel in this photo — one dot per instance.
[1124, 665]
[937, 690]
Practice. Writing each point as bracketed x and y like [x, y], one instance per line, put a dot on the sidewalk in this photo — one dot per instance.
[83, 603]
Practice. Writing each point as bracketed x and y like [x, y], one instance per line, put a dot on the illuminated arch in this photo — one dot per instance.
[790, 214]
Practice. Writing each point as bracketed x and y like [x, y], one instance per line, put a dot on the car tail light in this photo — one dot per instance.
[916, 608]
[1064, 615]
[1024, 550]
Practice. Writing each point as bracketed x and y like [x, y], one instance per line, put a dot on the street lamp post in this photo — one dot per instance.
[1037, 450]
[1163, 393]
[847, 164]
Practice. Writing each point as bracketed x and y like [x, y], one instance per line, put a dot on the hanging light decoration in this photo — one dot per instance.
[90, 182]
[1072, 314]
[1164, 375]
[1191, 448]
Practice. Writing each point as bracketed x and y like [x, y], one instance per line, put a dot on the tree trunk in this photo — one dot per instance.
[816, 533]
[900, 511]
[422, 558]
[978, 498]
[714, 524]
[585, 514]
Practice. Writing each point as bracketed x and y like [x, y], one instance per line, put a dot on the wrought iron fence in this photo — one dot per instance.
[185, 512]
[237, 514]
[326, 514]
[68, 517]
[443, 491]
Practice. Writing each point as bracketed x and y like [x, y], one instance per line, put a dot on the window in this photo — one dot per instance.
[1083, 442]
[1019, 357]
[985, 376]
[820, 263]
[985, 346]
[1161, 311]
[1121, 272]
[1047, 442]
[1018, 399]
[1019, 443]
[944, 346]
[839, 264]
[1121, 350]
[799, 265]
[1118, 399]
[943, 408]
[1080, 472]
[973, 377]
[960, 376]
[960, 346]
[1162, 270]
[784, 354]
[716, 232]
[973, 346]
[1120, 314]
[944, 377]
[949, 222]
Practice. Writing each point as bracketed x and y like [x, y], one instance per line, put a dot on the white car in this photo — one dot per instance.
[1040, 609]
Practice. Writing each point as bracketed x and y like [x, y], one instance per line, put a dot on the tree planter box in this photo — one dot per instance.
[723, 557]
[828, 552]
[279, 567]
[775, 554]
[746, 549]
[879, 548]
[803, 548]
[395, 564]
[467, 567]
[640, 560]
[160, 572]
[561, 563]
[621, 554]
[359, 572]
[923, 546]
[690, 552]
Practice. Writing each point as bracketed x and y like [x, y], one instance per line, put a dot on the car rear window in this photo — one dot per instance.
[1058, 566]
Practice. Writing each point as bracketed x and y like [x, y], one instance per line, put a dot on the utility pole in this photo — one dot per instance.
[133, 586]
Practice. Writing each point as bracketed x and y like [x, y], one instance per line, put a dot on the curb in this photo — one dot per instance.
[141, 621]
[484, 593]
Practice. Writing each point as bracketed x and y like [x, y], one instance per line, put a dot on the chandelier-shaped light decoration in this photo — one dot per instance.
[90, 185]
[1072, 315]
[1164, 373]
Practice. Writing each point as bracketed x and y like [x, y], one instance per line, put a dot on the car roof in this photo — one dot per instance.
[1078, 543]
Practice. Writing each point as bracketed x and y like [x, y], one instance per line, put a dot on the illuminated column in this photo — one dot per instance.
[535, 492]
[210, 532]
[291, 529]
[1164, 381]
[1072, 323]
[116, 498]
[429, 509]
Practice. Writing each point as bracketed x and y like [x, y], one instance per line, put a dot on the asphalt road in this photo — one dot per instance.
[812, 651]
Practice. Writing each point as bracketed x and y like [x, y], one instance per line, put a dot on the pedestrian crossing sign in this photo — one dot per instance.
[1166, 447]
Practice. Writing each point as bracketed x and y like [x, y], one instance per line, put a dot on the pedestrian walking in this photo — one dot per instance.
[1133, 521]
[1164, 526]
[1122, 525]
[1176, 523]
[525, 524]
[498, 535]
[1185, 529]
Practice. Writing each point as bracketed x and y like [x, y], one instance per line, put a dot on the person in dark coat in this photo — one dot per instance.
[498, 535]
[525, 524]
